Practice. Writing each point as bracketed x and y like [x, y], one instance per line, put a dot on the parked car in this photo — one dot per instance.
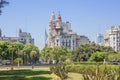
[6, 62]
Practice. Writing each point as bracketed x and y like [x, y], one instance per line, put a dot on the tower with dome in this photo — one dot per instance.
[61, 34]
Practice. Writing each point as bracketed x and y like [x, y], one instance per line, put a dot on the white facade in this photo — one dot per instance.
[61, 34]
[112, 38]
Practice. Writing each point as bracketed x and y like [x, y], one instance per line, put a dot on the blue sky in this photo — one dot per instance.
[87, 17]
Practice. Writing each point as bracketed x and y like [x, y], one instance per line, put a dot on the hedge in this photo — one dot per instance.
[88, 63]
[96, 72]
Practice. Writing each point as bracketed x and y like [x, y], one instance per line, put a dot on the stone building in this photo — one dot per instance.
[61, 34]
[112, 38]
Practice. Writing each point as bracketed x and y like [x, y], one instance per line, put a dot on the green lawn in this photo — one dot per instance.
[27, 74]
[74, 76]
[39, 73]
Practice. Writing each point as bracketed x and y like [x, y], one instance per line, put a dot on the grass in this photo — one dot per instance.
[74, 76]
[39, 73]
[26, 74]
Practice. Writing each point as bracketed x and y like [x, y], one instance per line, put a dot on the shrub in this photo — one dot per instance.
[88, 63]
[59, 70]
[97, 56]
[96, 72]
[18, 60]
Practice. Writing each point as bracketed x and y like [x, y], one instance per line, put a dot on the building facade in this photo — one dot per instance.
[84, 40]
[112, 38]
[61, 34]
[4, 38]
[100, 39]
[11, 39]
[25, 37]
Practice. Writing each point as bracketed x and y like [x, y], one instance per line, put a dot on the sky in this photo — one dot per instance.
[87, 17]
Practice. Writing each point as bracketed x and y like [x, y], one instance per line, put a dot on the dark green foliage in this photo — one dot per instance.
[14, 48]
[59, 54]
[18, 60]
[4, 51]
[84, 51]
[2, 4]
[31, 53]
[97, 57]
[18, 50]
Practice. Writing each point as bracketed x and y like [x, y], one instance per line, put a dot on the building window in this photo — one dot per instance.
[66, 43]
[73, 42]
[113, 38]
[69, 43]
[63, 42]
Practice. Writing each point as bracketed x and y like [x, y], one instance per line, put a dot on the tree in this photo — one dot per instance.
[16, 47]
[57, 53]
[84, 51]
[18, 60]
[97, 56]
[25, 58]
[4, 51]
[16, 50]
[28, 48]
[46, 54]
[2, 4]
[114, 57]
[19, 49]
[33, 56]
[11, 48]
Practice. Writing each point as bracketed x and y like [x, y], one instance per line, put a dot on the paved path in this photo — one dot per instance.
[3, 68]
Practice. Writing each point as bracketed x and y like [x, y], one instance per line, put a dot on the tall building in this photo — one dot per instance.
[112, 38]
[61, 34]
[25, 37]
[100, 39]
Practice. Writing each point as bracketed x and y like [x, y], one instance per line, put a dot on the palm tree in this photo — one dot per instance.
[19, 53]
[24, 58]
[12, 50]
[33, 55]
